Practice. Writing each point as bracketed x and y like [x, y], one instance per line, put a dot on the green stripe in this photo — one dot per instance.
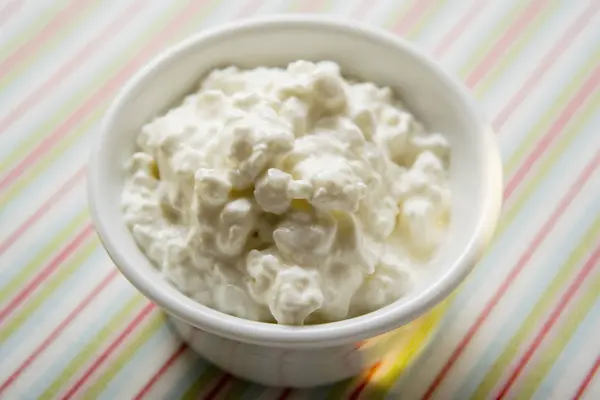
[90, 119]
[33, 29]
[418, 338]
[114, 326]
[509, 216]
[510, 213]
[80, 17]
[534, 318]
[492, 37]
[156, 322]
[50, 157]
[208, 375]
[66, 270]
[571, 131]
[550, 115]
[45, 162]
[87, 92]
[237, 390]
[17, 283]
[417, 30]
[396, 15]
[508, 59]
[339, 390]
[299, 6]
[552, 352]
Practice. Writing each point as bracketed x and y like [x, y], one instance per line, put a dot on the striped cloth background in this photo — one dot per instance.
[525, 324]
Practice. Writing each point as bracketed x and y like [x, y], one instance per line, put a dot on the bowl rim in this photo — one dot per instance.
[349, 330]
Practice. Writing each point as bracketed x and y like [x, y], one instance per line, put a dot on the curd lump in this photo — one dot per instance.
[289, 195]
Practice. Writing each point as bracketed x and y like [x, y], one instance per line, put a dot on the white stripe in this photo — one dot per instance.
[83, 80]
[507, 249]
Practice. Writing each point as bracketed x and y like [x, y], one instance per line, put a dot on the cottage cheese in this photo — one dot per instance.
[289, 195]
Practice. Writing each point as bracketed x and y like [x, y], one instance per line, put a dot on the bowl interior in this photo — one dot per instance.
[363, 54]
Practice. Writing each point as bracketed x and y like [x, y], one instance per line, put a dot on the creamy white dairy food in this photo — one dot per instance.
[289, 195]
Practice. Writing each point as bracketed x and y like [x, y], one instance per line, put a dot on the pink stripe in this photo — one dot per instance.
[363, 9]
[249, 8]
[109, 350]
[564, 117]
[548, 61]
[564, 301]
[39, 278]
[136, 322]
[67, 69]
[40, 212]
[220, 385]
[9, 10]
[161, 371]
[170, 361]
[59, 329]
[458, 29]
[310, 6]
[587, 380]
[102, 94]
[47, 271]
[285, 394]
[455, 31]
[515, 271]
[66, 15]
[509, 189]
[505, 42]
[411, 17]
[355, 395]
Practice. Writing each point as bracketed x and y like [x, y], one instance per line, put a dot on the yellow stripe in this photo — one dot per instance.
[208, 375]
[534, 318]
[344, 386]
[549, 161]
[422, 23]
[83, 356]
[396, 15]
[42, 164]
[58, 36]
[112, 326]
[420, 337]
[580, 119]
[237, 390]
[409, 340]
[571, 131]
[66, 270]
[91, 349]
[549, 355]
[18, 282]
[494, 35]
[88, 91]
[156, 322]
[511, 213]
[34, 28]
[340, 389]
[558, 150]
[549, 116]
[45, 162]
[508, 59]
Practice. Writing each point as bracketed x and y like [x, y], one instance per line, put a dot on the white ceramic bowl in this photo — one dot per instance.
[309, 355]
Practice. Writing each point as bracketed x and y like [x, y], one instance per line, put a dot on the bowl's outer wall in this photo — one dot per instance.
[368, 55]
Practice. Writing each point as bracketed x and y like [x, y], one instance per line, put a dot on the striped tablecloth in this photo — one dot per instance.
[526, 324]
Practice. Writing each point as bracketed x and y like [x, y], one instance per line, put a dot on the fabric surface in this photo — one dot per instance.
[524, 325]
